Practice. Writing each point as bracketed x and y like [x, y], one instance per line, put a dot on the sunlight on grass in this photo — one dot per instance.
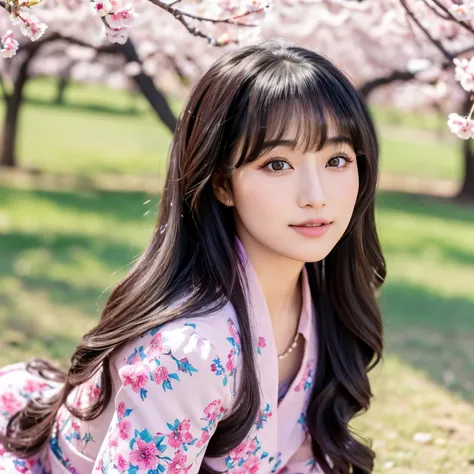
[101, 130]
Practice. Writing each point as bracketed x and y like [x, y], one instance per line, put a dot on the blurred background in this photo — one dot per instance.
[86, 127]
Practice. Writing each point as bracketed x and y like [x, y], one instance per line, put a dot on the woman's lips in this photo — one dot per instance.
[311, 230]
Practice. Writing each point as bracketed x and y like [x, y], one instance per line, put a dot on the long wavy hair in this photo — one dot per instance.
[246, 97]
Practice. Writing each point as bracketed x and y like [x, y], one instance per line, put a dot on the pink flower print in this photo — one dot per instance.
[306, 380]
[203, 439]
[75, 425]
[177, 465]
[233, 331]
[156, 344]
[180, 434]
[124, 427]
[261, 344]
[213, 410]
[10, 403]
[250, 466]
[237, 453]
[113, 440]
[121, 410]
[136, 375]
[230, 361]
[93, 392]
[144, 456]
[160, 374]
[122, 463]
[34, 385]
[100, 466]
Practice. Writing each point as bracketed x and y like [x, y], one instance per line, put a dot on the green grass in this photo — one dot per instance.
[61, 252]
[100, 130]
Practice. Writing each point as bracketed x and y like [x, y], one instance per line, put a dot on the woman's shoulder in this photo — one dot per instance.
[200, 346]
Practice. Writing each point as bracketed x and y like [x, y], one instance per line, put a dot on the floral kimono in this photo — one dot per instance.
[171, 388]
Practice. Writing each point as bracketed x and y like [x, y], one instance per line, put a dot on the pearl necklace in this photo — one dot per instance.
[290, 349]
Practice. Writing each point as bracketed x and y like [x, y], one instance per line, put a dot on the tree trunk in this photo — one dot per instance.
[12, 112]
[467, 190]
[63, 82]
[147, 87]
[14, 100]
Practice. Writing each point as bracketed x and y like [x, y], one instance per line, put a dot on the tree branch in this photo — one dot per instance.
[435, 11]
[368, 87]
[183, 16]
[452, 17]
[436, 42]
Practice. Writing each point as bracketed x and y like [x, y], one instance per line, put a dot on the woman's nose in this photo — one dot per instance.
[311, 189]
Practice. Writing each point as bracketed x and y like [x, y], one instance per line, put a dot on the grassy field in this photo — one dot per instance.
[100, 130]
[61, 252]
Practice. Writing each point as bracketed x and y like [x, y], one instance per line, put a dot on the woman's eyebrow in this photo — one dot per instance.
[338, 139]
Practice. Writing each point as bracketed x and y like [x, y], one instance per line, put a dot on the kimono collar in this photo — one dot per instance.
[258, 302]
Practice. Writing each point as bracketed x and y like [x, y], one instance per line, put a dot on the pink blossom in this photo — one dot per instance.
[124, 427]
[136, 375]
[9, 45]
[464, 73]
[233, 331]
[261, 342]
[101, 7]
[213, 409]
[463, 127]
[121, 19]
[119, 36]
[100, 466]
[31, 27]
[177, 465]
[160, 374]
[180, 435]
[144, 455]
[121, 410]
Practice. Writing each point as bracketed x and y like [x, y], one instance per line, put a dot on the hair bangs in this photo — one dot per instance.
[305, 110]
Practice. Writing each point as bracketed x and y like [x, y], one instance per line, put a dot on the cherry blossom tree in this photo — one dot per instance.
[398, 50]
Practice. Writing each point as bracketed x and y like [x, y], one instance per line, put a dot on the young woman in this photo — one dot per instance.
[241, 340]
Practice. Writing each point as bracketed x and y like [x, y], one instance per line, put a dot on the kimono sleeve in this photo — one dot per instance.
[167, 407]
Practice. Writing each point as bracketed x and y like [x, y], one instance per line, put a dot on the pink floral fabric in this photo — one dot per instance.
[171, 389]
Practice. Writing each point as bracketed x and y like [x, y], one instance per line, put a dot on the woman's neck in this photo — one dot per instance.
[279, 278]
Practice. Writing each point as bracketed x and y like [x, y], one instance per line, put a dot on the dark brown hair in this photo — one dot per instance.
[246, 97]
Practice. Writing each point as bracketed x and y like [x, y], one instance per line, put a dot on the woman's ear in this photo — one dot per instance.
[222, 190]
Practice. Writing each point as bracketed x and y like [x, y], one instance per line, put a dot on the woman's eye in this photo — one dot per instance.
[339, 161]
[277, 165]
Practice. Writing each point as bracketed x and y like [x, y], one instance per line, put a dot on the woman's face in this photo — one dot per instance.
[280, 197]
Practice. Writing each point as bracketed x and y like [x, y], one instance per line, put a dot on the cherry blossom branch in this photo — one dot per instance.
[182, 16]
[436, 42]
[436, 11]
[230, 20]
[449, 15]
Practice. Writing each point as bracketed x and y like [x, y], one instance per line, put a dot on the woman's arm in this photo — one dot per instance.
[167, 407]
